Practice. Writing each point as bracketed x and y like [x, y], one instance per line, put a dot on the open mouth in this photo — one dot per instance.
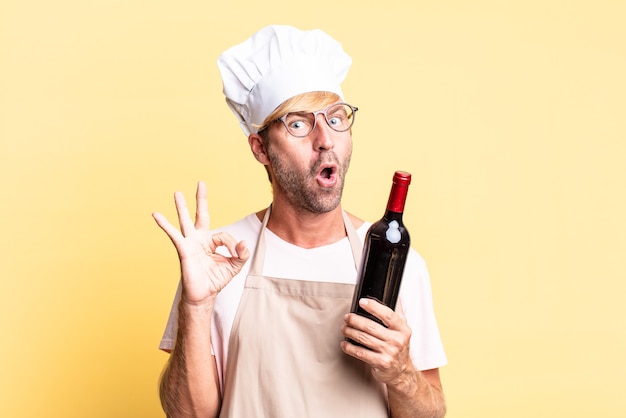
[327, 172]
[327, 176]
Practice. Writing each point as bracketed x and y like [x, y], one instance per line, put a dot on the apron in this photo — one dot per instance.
[284, 359]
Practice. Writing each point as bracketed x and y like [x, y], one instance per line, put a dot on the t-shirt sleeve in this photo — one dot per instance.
[427, 350]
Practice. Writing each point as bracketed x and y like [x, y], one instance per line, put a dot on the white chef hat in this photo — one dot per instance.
[275, 64]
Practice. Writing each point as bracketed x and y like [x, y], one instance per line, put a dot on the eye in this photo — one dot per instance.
[337, 117]
[334, 121]
[298, 124]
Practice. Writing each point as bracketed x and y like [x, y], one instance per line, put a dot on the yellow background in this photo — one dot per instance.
[510, 115]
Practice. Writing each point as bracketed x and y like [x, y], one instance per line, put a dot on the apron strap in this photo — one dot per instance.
[355, 242]
[256, 266]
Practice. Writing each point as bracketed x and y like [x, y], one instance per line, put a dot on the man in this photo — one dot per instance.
[259, 324]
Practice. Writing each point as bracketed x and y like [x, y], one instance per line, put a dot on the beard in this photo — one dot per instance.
[300, 186]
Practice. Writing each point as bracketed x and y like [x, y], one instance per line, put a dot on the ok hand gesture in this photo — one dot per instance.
[204, 272]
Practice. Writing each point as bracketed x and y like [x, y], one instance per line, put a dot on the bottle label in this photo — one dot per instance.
[393, 234]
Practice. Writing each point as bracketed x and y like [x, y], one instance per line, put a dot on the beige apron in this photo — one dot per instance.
[284, 359]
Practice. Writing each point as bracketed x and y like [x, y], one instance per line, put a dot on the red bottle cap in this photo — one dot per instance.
[399, 189]
[402, 178]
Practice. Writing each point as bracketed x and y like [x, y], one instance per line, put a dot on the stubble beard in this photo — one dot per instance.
[301, 187]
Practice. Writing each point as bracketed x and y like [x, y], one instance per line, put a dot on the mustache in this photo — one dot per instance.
[327, 157]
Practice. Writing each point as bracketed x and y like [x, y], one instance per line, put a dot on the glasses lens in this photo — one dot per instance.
[340, 117]
[299, 124]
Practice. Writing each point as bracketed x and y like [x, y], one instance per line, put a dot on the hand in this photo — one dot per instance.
[387, 347]
[204, 272]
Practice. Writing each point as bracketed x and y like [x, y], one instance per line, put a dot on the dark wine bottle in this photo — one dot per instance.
[386, 246]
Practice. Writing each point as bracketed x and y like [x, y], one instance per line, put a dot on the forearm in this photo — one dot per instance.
[414, 396]
[189, 385]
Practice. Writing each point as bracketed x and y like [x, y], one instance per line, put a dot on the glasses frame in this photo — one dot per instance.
[323, 112]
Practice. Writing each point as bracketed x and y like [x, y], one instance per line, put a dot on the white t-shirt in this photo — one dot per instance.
[329, 263]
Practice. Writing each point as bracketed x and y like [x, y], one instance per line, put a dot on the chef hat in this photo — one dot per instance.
[275, 64]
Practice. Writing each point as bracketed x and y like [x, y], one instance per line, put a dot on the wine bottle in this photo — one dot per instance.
[386, 246]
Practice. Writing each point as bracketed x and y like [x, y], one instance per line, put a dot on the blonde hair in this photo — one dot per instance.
[305, 102]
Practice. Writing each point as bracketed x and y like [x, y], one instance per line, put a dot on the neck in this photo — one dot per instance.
[306, 229]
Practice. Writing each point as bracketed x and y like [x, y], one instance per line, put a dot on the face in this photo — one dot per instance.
[309, 172]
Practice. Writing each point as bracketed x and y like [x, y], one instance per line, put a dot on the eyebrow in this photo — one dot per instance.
[299, 113]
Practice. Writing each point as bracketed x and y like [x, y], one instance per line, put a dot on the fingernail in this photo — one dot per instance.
[364, 301]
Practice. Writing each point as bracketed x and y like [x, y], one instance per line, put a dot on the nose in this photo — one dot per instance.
[323, 134]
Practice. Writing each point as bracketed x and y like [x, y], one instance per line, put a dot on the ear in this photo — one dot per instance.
[257, 147]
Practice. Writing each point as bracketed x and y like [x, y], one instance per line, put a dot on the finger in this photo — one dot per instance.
[243, 253]
[202, 207]
[186, 226]
[242, 250]
[224, 239]
[166, 226]
[389, 318]
[361, 353]
[364, 331]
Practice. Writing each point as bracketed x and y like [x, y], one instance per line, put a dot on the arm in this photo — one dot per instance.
[412, 393]
[419, 395]
[189, 385]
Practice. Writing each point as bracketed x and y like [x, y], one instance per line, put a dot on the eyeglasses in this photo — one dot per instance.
[340, 118]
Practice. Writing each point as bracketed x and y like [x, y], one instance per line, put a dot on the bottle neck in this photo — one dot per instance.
[397, 198]
[395, 205]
